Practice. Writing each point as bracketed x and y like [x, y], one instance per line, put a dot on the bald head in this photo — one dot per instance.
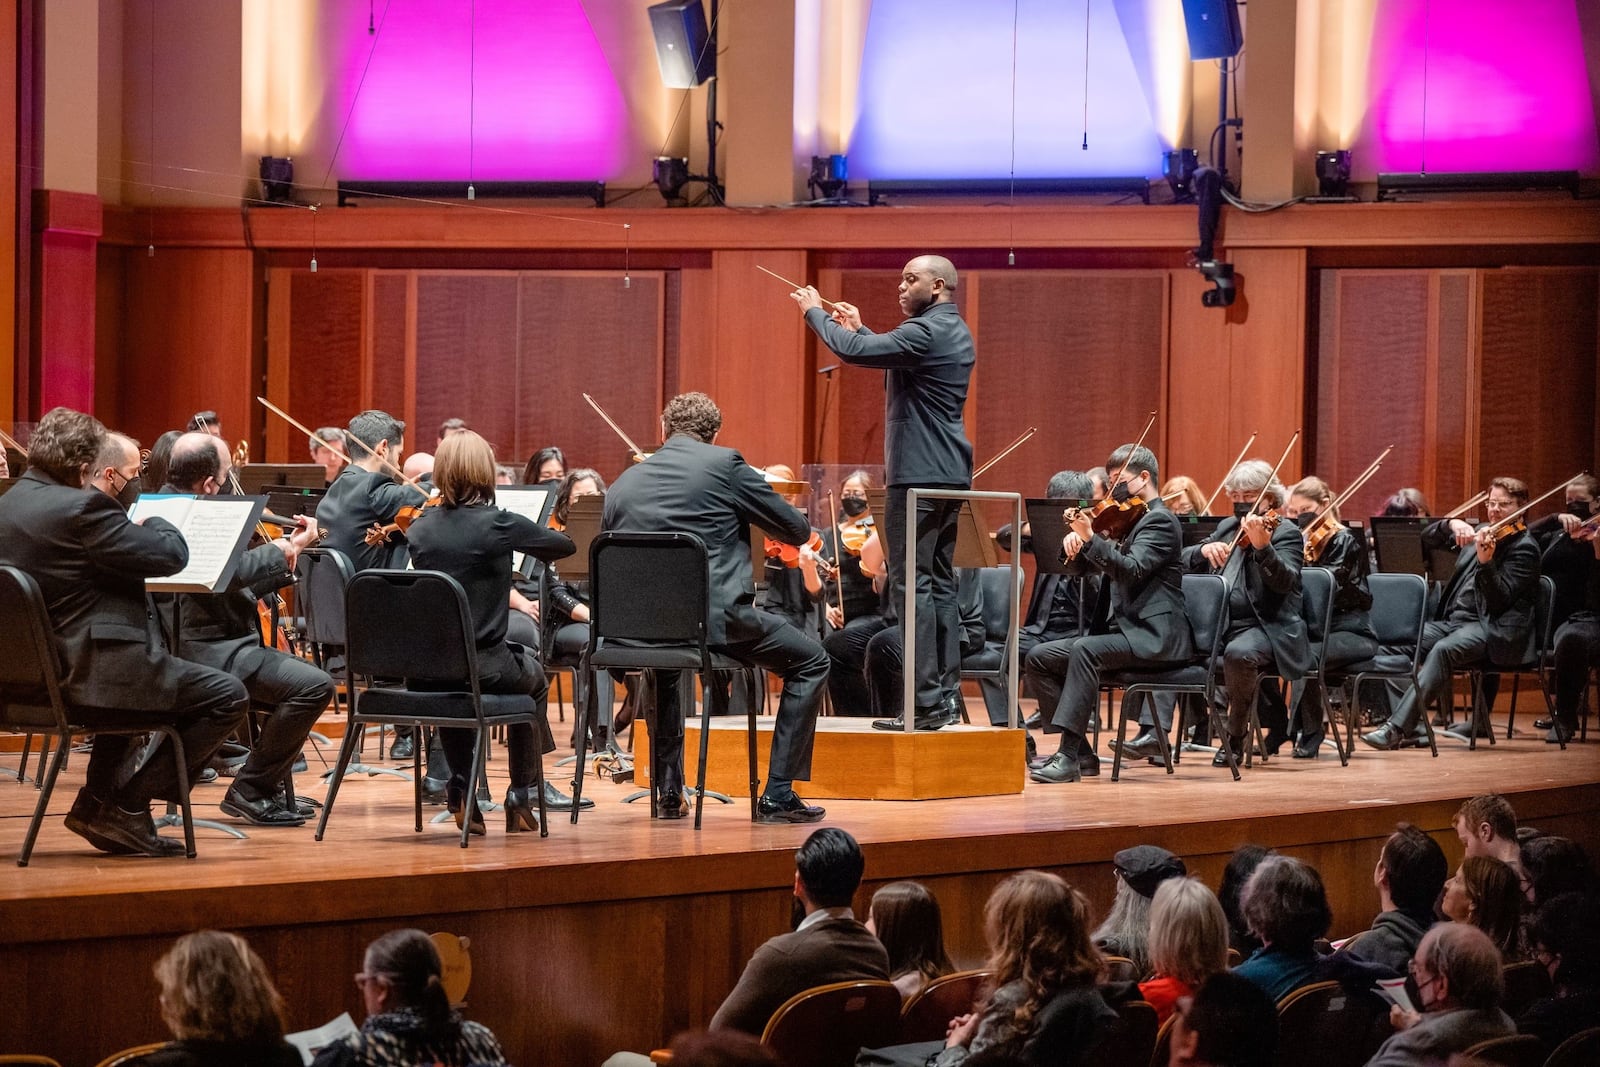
[938, 267]
[199, 464]
[925, 281]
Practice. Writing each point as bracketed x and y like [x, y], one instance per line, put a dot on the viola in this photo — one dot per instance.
[378, 533]
[1318, 534]
[789, 555]
[854, 536]
[1110, 518]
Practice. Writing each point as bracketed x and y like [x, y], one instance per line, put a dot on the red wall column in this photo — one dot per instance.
[66, 237]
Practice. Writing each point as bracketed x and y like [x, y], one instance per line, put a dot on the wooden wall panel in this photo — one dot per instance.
[1266, 333]
[384, 377]
[858, 393]
[327, 313]
[1200, 442]
[466, 356]
[759, 374]
[1452, 429]
[583, 332]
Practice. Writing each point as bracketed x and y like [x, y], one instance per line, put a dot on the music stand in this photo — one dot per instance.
[583, 526]
[1197, 529]
[1397, 543]
[254, 477]
[290, 501]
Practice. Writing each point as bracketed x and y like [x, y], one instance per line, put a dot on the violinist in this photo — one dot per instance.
[366, 494]
[545, 465]
[223, 630]
[1566, 559]
[330, 459]
[854, 622]
[468, 538]
[1577, 641]
[1139, 619]
[1485, 614]
[1260, 559]
[1350, 636]
[569, 602]
[1183, 496]
[787, 577]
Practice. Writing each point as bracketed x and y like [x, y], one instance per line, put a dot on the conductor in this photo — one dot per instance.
[928, 361]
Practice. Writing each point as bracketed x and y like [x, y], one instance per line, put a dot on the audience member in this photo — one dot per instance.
[1126, 930]
[720, 1048]
[1241, 865]
[905, 917]
[1229, 1022]
[1457, 974]
[1042, 1001]
[1409, 877]
[409, 1018]
[1566, 940]
[1484, 892]
[1287, 908]
[1487, 826]
[221, 1006]
[828, 945]
[1188, 942]
[1554, 865]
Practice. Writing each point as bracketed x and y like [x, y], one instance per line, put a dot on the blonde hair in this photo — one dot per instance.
[1188, 490]
[464, 469]
[1316, 490]
[215, 988]
[1188, 932]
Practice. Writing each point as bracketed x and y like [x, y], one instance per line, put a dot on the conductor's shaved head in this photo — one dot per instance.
[938, 267]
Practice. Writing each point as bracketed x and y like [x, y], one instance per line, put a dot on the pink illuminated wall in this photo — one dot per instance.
[544, 99]
[1478, 85]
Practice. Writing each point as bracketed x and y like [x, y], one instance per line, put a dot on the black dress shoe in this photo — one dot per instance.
[81, 819]
[1030, 746]
[1308, 746]
[1273, 741]
[520, 814]
[556, 800]
[788, 808]
[1463, 730]
[403, 748]
[923, 720]
[207, 774]
[1543, 724]
[299, 766]
[1056, 770]
[434, 790]
[264, 812]
[134, 831]
[1386, 738]
[304, 807]
[953, 708]
[1033, 722]
[1088, 765]
[1559, 733]
[1146, 744]
[1234, 743]
[671, 805]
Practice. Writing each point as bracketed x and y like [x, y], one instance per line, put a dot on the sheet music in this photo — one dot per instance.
[310, 1042]
[531, 504]
[214, 528]
[174, 507]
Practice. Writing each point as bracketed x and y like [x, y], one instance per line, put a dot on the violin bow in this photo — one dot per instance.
[11, 442]
[1541, 498]
[1136, 446]
[638, 453]
[1468, 504]
[233, 476]
[1006, 451]
[1355, 486]
[838, 557]
[1238, 460]
[1255, 509]
[396, 471]
[792, 285]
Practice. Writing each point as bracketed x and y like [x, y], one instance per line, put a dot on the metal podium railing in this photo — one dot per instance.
[908, 610]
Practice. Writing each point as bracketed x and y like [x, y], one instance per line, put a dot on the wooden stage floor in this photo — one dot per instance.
[584, 937]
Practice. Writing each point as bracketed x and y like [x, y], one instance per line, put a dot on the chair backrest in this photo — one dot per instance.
[671, 566]
[1326, 1025]
[997, 585]
[324, 574]
[1526, 981]
[1517, 1050]
[1582, 1049]
[1163, 1053]
[130, 1054]
[1121, 969]
[1399, 608]
[926, 1016]
[23, 1058]
[30, 686]
[1316, 601]
[1543, 614]
[409, 624]
[1205, 601]
[828, 1025]
[1131, 1040]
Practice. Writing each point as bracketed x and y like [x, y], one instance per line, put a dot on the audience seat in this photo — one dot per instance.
[828, 1025]
[926, 1016]
[1129, 1041]
[34, 1061]
[1324, 1025]
[1580, 1050]
[1122, 969]
[1163, 1053]
[1518, 1050]
[129, 1054]
[1526, 981]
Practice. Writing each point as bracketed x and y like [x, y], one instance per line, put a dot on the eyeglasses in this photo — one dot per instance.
[1415, 972]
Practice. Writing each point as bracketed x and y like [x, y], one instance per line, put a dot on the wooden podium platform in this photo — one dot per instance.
[852, 761]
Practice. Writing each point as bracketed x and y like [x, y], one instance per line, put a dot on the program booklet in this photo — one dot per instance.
[216, 529]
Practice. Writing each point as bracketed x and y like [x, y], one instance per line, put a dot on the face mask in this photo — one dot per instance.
[1580, 508]
[853, 506]
[1120, 492]
[130, 492]
[1305, 519]
[1241, 510]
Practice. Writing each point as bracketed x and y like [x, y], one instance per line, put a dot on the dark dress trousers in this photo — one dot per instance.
[927, 361]
[354, 502]
[691, 487]
[1140, 621]
[885, 652]
[90, 562]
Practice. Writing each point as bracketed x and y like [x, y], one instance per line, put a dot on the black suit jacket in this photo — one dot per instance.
[1270, 578]
[1144, 573]
[691, 487]
[354, 502]
[929, 361]
[90, 562]
[1505, 590]
[1352, 599]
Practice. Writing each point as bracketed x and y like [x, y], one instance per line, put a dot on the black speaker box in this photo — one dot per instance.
[1213, 27]
[679, 27]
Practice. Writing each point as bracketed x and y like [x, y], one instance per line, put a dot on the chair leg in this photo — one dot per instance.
[1149, 700]
[184, 800]
[561, 700]
[347, 751]
[1122, 732]
[752, 678]
[1219, 731]
[1511, 717]
[44, 752]
[583, 713]
[711, 694]
[538, 774]
[419, 744]
[469, 797]
[46, 786]
[22, 763]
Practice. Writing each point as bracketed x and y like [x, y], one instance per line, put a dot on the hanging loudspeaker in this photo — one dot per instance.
[679, 27]
[1213, 27]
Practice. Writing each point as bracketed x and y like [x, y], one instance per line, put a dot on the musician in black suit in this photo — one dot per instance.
[223, 630]
[928, 359]
[365, 494]
[691, 486]
[1140, 615]
[1485, 613]
[91, 562]
[1265, 628]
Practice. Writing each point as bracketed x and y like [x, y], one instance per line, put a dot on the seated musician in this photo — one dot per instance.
[448, 427]
[470, 539]
[1183, 496]
[331, 461]
[1265, 628]
[1485, 614]
[1350, 636]
[545, 465]
[365, 494]
[204, 422]
[1577, 644]
[223, 630]
[853, 621]
[788, 593]
[1145, 624]
[90, 562]
[692, 486]
[570, 602]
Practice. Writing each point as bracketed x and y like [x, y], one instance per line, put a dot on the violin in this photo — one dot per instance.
[1319, 533]
[1514, 523]
[378, 533]
[1112, 518]
[1271, 516]
[789, 555]
[856, 535]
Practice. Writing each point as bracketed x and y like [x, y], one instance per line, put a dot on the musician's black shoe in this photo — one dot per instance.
[1033, 722]
[1146, 744]
[931, 719]
[789, 808]
[1543, 724]
[303, 806]
[1386, 738]
[457, 803]
[953, 707]
[1030, 746]
[671, 805]
[1308, 746]
[1273, 742]
[134, 831]
[1462, 731]
[403, 748]
[264, 812]
[433, 790]
[1235, 743]
[1058, 769]
[299, 766]
[556, 800]
[1559, 733]
[82, 819]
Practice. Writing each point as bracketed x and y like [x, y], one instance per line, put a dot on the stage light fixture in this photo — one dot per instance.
[1178, 167]
[671, 174]
[1333, 172]
[829, 178]
[277, 179]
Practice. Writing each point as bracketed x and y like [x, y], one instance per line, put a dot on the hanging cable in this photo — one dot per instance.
[1011, 210]
[472, 92]
[1427, 42]
[1087, 4]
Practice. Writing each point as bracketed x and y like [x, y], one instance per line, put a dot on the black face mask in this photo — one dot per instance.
[1580, 508]
[1121, 493]
[1305, 519]
[1241, 510]
[130, 492]
[853, 506]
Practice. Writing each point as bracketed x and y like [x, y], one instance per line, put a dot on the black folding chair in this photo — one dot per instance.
[1479, 672]
[415, 625]
[998, 585]
[1399, 610]
[1205, 602]
[665, 630]
[31, 700]
[1316, 608]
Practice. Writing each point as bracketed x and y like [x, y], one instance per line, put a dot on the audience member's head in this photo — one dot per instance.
[1037, 927]
[1486, 893]
[1566, 939]
[548, 464]
[1229, 1022]
[693, 414]
[828, 869]
[1487, 825]
[723, 1047]
[1241, 865]
[1457, 966]
[1555, 865]
[215, 988]
[65, 445]
[401, 970]
[1285, 905]
[1126, 929]
[1411, 871]
[1188, 932]
[580, 481]
[905, 917]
